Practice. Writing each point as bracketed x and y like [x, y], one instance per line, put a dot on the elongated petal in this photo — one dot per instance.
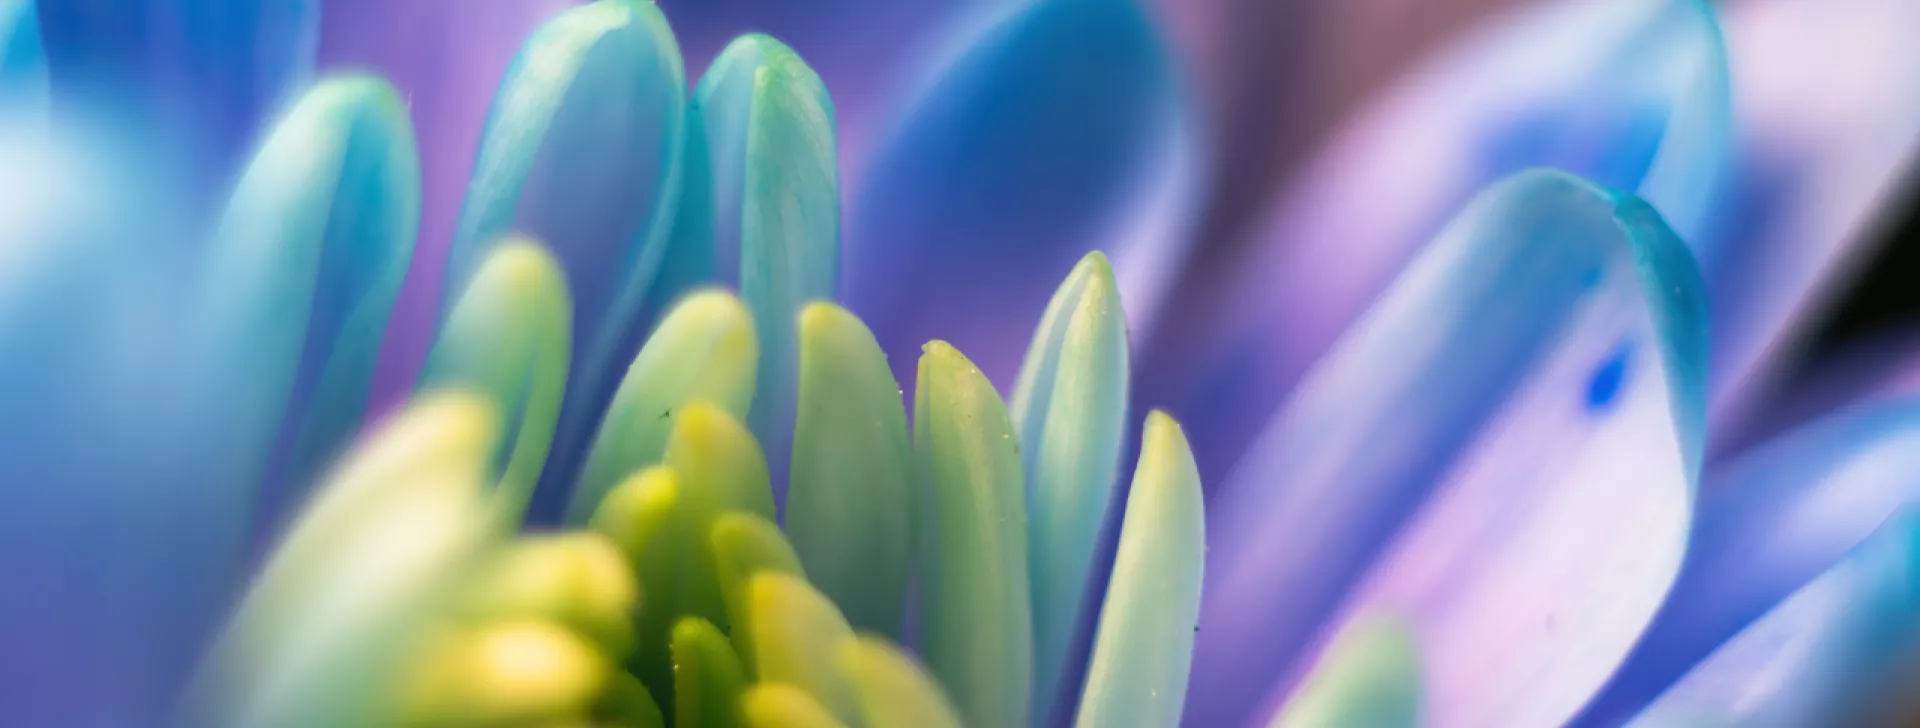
[892, 688]
[707, 677]
[1631, 94]
[446, 59]
[769, 131]
[704, 351]
[301, 276]
[1768, 524]
[23, 59]
[848, 499]
[350, 591]
[578, 580]
[1059, 131]
[197, 77]
[779, 705]
[977, 624]
[743, 546]
[1470, 457]
[1369, 677]
[797, 638]
[582, 152]
[1829, 655]
[1145, 642]
[509, 338]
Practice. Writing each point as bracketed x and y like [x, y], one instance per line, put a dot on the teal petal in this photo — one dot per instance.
[508, 337]
[301, 276]
[776, 205]
[23, 59]
[704, 351]
[1504, 452]
[976, 621]
[847, 501]
[1368, 678]
[1070, 410]
[1138, 674]
[582, 152]
[1830, 654]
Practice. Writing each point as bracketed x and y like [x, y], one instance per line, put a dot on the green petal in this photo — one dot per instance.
[636, 512]
[510, 337]
[778, 705]
[1070, 409]
[892, 688]
[703, 351]
[978, 632]
[578, 580]
[707, 677]
[1138, 673]
[847, 499]
[745, 545]
[351, 590]
[507, 673]
[769, 113]
[1368, 678]
[797, 637]
[301, 278]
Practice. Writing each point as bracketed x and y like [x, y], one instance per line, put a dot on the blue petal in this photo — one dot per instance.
[301, 277]
[1449, 461]
[1768, 524]
[198, 76]
[1052, 136]
[582, 153]
[23, 61]
[1833, 653]
[1629, 93]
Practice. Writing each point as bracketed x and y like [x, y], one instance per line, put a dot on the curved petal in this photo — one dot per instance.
[446, 58]
[23, 59]
[1768, 524]
[1469, 457]
[197, 77]
[1058, 132]
[1834, 653]
[1632, 94]
[582, 152]
[1824, 146]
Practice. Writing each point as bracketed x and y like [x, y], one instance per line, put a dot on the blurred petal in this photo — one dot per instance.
[977, 623]
[1058, 132]
[744, 546]
[1138, 674]
[797, 638]
[779, 705]
[300, 279]
[1824, 141]
[581, 152]
[707, 678]
[1631, 94]
[508, 338]
[776, 205]
[23, 59]
[1470, 456]
[1368, 678]
[848, 507]
[1070, 410]
[198, 77]
[446, 58]
[893, 689]
[1816, 659]
[1769, 523]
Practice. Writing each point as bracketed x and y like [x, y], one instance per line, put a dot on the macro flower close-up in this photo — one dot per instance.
[991, 363]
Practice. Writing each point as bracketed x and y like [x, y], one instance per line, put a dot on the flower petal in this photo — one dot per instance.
[1629, 93]
[976, 621]
[744, 546]
[779, 705]
[1823, 655]
[848, 507]
[23, 59]
[582, 152]
[707, 677]
[1469, 456]
[1768, 524]
[1058, 132]
[797, 638]
[1141, 657]
[703, 351]
[893, 689]
[300, 279]
[508, 338]
[1370, 677]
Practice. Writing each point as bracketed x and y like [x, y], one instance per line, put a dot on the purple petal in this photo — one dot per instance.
[1502, 450]
[1769, 523]
[446, 57]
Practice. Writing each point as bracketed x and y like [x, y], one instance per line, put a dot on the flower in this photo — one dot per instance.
[1492, 499]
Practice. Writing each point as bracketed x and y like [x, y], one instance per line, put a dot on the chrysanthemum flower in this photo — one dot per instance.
[263, 474]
